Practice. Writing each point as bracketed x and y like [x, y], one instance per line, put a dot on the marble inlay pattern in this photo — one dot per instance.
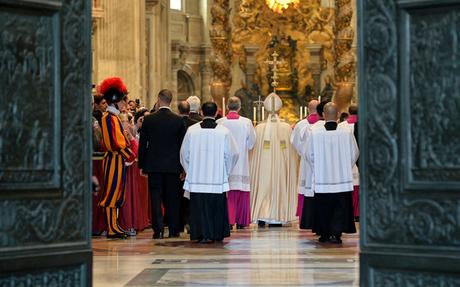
[253, 257]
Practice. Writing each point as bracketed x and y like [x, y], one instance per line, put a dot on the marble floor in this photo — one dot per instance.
[283, 256]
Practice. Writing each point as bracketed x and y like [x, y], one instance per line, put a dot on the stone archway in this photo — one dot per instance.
[185, 86]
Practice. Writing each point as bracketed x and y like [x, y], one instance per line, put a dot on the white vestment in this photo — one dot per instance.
[298, 140]
[274, 169]
[208, 157]
[345, 125]
[245, 136]
[332, 155]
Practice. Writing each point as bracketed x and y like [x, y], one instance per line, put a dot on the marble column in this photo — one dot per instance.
[206, 73]
[119, 46]
[158, 73]
[316, 66]
[251, 63]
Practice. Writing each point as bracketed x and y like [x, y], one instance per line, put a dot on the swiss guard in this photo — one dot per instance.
[118, 154]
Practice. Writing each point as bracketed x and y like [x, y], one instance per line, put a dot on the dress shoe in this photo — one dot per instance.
[158, 235]
[174, 235]
[206, 241]
[275, 225]
[117, 235]
[336, 240]
[323, 239]
[261, 223]
[238, 226]
[230, 226]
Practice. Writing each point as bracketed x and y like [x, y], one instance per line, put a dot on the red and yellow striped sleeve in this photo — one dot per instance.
[113, 138]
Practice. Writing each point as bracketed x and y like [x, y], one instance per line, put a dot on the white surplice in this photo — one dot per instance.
[245, 136]
[332, 155]
[208, 157]
[345, 125]
[298, 140]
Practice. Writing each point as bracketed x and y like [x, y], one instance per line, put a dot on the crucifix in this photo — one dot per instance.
[274, 63]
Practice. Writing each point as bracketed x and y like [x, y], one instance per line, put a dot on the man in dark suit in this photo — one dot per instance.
[161, 137]
[184, 111]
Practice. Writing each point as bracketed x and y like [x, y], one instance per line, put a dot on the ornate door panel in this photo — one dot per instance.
[45, 143]
[410, 142]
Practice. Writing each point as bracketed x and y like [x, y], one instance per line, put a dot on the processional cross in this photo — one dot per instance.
[274, 63]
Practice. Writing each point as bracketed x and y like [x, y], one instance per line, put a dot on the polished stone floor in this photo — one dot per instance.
[254, 257]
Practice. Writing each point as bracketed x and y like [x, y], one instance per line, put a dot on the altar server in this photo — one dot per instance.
[243, 132]
[208, 155]
[298, 141]
[332, 153]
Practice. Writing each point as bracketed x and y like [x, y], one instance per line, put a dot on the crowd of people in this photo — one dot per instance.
[205, 174]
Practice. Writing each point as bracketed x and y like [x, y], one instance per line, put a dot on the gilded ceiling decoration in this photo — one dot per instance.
[279, 6]
[254, 23]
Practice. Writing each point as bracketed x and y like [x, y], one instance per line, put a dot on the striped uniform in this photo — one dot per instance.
[117, 153]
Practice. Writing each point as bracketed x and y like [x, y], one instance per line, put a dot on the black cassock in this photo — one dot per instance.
[208, 211]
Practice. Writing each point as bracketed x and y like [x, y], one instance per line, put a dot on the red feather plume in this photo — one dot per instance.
[112, 83]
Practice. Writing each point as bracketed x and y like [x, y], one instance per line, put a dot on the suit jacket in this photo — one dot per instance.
[195, 116]
[188, 121]
[160, 140]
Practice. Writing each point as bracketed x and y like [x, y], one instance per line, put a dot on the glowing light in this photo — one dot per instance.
[279, 6]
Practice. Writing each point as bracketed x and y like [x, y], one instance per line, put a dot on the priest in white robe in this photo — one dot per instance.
[208, 155]
[238, 199]
[332, 153]
[274, 169]
[305, 192]
[351, 123]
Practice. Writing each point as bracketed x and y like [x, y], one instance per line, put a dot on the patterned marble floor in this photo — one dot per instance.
[254, 257]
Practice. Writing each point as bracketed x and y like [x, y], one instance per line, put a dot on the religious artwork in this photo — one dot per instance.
[289, 34]
[345, 57]
[279, 6]
[27, 144]
[345, 64]
[247, 98]
[410, 192]
[328, 91]
[433, 149]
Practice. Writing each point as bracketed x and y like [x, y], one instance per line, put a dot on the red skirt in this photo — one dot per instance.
[239, 210]
[355, 196]
[99, 219]
[134, 212]
[300, 198]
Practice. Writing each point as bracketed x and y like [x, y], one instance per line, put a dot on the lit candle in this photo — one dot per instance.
[305, 108]
[254, 114]
[223, 106]
[300, 112]
[263, 113]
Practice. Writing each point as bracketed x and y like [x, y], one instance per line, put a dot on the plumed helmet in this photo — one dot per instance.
[112, 89]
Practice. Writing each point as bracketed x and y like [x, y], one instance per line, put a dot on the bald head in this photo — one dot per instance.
[330, 112]
[312, 106]
[184, 108]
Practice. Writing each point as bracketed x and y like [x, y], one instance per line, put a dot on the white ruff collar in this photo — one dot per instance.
[113, 110]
